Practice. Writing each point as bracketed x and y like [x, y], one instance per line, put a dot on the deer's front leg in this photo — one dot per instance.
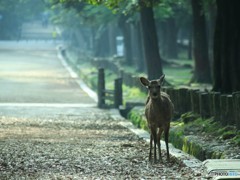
[150, 151]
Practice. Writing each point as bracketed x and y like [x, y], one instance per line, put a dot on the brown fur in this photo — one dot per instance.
[158, 111]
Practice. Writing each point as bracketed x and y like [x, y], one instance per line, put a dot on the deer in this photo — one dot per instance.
[158, 111]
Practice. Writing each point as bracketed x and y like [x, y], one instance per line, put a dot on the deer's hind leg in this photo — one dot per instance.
[150, 151]
[166, 134]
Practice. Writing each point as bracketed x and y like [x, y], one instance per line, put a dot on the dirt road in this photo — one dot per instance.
[35, 75]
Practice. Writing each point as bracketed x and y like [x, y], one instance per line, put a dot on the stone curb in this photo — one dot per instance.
[74, 75]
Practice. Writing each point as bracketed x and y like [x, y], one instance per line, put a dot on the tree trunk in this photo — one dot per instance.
[101, 42]
[211, 26]
[151, 49]
[126, 30]
[202, 66]
[162, 32]
[138, 47]
[190, 44]
[171, 43]
[226, 64]
[112, 39]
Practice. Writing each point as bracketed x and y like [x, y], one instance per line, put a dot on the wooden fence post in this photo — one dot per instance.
[230, 110]
[216, 106]
[184, 100]
[226, 105]
[174, 98]
[101, 88]
[195, 100]
[223, 109]
[204, 105]
[118, 99]
[236, 107]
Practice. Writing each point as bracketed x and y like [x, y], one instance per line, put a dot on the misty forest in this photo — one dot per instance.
[65, 65]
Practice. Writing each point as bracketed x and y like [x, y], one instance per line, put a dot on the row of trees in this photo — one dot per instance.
[14, 12]
[215, 48]
[136, 22]
[155, 30]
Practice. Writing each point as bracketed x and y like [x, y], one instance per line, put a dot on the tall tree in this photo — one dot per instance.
[151, 49]
[202, 66]
[226, 64]
[126, 31]
[171, 34]
[95, 23]
[149, 34]
[14, 12]
[138, 47]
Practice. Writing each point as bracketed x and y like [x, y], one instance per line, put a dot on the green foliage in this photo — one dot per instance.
[178, 9]
[133, 94]
[207, 126]
[14, 13]
[137, 117]
[236, 139]
[176, 134]
[188, 117]
[87, 12]
[229, 135]
[96, 15]
[178, 76]
[74, 16]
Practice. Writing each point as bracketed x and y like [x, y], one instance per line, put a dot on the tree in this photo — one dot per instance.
[166, 14]
[93, 23]
[126, 31]
[151, 49]
[14, 12]
[138, 47]
[226, 64]
[202, 66]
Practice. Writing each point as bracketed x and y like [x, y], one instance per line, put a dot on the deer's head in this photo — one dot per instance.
[153, 86]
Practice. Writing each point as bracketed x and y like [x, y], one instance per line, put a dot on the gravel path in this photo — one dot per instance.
[50, 129]
[75, 143]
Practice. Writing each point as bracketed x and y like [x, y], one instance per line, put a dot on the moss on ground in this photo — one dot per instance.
[136, 116]
[182, 134]
[188, 124]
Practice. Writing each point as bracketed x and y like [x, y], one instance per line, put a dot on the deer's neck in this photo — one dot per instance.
[156, 102]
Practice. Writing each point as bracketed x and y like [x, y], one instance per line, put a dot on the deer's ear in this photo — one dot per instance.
[161, 79]
[144, 81]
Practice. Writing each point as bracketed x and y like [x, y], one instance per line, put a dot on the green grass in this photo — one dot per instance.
[209, 126]
[133, 94]
[177, 76]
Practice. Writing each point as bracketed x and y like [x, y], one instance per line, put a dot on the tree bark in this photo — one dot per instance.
[226, 63]
[171, 42]
[112, 39]
[126, 30]
[137, 47]
[211, 25]
[202, 66]
[151, 49]
[190, 44]
[101, 48]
